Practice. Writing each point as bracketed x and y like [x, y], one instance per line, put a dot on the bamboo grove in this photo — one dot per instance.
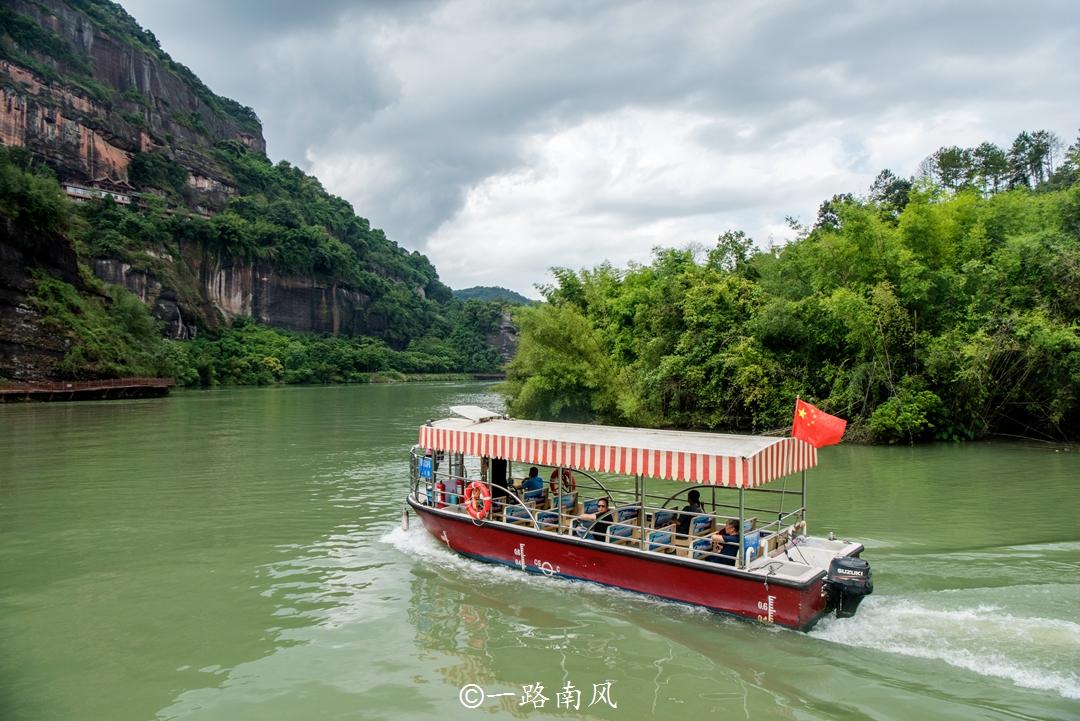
[922, 310]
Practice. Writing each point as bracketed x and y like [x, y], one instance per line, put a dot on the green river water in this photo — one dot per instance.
[236, 554]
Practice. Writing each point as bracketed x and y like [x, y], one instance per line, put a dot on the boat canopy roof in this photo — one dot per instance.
[708, 458]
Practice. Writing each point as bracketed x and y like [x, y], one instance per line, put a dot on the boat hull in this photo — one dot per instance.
[719, 588]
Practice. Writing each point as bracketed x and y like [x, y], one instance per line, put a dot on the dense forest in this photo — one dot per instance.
[282, 215]
[944, 306]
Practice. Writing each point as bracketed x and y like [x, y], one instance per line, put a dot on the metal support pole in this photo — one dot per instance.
[742, 529]
[641, 515]
[803, 499]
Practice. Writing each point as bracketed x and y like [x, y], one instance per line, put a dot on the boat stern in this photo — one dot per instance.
[848, 583]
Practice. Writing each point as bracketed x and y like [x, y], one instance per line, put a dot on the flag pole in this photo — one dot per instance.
[783, 487]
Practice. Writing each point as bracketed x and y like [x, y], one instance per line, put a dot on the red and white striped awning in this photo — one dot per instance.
[707, 458]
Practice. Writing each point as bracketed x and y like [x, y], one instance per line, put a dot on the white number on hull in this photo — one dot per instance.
[545, 567]
[769, 608]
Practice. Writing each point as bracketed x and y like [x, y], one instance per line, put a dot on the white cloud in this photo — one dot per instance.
[615, 186]
[502, 139]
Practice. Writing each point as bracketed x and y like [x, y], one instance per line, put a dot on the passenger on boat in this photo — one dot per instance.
[601, 519]
[500, 474]
[727, 543]
[534, 482]
[689, 511]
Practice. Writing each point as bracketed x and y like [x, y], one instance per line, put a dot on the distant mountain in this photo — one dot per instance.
[492, 292]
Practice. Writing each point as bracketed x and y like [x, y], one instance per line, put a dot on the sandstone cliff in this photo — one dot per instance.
[85, 88]
[234, 288]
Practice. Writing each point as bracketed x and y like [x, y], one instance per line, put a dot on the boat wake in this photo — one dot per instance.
[418, 543]
[1023, 634]
[984, 638]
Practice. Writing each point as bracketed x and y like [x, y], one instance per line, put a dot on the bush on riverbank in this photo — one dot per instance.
[112, 334]
[251, 354]
[109, 335]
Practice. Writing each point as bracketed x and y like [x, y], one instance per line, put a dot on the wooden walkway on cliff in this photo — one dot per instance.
[103, 389]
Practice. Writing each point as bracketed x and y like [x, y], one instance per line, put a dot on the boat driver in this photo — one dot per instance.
[534, 482]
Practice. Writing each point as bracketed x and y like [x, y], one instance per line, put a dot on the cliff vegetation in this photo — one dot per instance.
[251, 271]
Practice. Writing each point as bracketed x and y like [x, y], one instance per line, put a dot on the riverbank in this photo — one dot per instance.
[95, 390]
[387, 377]
[113, 388]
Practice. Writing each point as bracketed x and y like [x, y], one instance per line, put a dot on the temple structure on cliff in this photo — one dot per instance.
[119, 190]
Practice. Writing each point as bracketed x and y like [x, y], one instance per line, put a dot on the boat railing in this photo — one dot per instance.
[514, 509]
[424, 490]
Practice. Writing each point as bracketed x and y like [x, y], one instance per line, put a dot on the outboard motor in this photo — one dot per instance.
[849, 582]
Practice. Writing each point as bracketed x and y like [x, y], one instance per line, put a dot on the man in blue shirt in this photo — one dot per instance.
[534, 481]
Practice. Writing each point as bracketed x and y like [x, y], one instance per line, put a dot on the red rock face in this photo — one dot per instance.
[150, 104]
[52, 125]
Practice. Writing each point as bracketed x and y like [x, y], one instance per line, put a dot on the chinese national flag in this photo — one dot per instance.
[816, 427]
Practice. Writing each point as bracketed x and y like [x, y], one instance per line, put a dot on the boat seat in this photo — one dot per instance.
[700, 547]
[621, 533]
[661, 541]
[774, 544]
[517, 514]
[681, 543]
[536, 495]
[627, 513]
[547, 520]
[701, 525]
[751, 547]
[566, 500]
[662, 519]
[589, 505]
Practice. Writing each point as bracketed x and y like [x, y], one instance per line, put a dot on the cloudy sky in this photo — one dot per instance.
[502, 138]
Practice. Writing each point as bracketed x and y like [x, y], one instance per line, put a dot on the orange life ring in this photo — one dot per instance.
[568, 483]
[478, 500]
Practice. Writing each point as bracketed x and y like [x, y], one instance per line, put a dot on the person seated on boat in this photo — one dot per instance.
[534, 482]
[603, 518]
[726, 543]
[689, 511]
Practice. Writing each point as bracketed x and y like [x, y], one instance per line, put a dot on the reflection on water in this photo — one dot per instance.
[235, 555]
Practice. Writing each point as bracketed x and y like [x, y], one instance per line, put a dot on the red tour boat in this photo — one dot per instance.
[754, 561]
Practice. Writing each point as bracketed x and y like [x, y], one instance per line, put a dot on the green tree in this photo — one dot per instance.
[991, 167]
[560, 371]
[890, 193]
